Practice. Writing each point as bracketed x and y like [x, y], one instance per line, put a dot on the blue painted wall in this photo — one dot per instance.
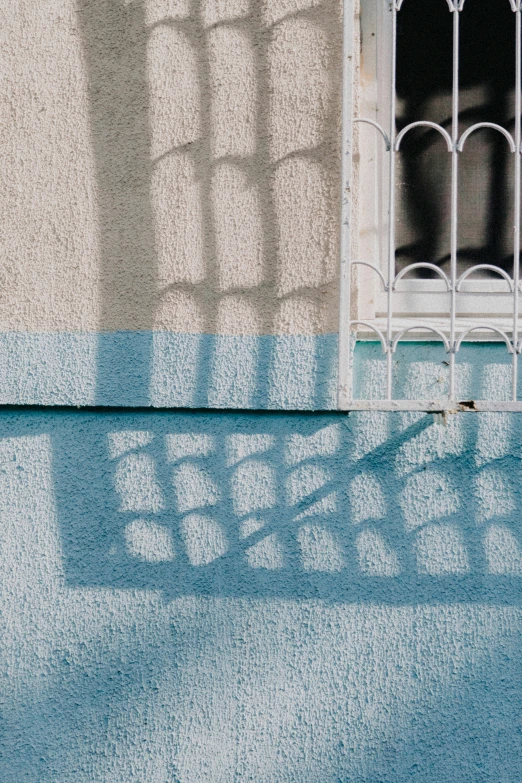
[279, 372]
[264, 596]
[166, 369]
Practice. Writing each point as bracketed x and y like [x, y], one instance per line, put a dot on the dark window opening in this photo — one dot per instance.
[486, 166]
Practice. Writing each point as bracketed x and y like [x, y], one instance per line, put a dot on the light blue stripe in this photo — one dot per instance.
[163, 369]
[168, 370]
[421, 371]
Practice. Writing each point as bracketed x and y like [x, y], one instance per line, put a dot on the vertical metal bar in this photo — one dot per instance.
[345, 391]
[391, 227]
[454, 195]
[516, 233]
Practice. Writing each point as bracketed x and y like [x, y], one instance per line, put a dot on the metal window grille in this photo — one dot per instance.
[452, 331]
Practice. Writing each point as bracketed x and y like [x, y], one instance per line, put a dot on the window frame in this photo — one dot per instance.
[366, 236]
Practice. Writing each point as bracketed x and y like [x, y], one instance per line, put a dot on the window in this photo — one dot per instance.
[431, 188]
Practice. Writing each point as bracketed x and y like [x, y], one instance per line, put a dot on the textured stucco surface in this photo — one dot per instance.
[169, 165]
[268, 597]
[223, 597]
[165, 369]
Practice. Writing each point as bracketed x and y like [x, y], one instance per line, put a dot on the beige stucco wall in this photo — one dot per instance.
[169, 164]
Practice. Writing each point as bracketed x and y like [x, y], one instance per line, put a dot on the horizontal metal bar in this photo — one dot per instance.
[435, 406]
[495, 330]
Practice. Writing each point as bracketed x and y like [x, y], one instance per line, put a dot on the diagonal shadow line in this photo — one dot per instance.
[275, 525]
[396, 441]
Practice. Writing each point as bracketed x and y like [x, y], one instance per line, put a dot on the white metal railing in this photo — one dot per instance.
[452, 330]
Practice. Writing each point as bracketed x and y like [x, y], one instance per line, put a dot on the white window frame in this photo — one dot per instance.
[376, 302]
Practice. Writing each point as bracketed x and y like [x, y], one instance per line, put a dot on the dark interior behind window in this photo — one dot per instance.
[486, 166]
